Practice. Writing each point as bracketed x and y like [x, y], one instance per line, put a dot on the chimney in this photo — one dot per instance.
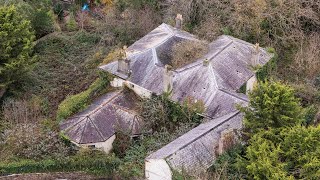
[179, 21]
[255, 55]
[123, 62]
[167, 79]
[206, 62]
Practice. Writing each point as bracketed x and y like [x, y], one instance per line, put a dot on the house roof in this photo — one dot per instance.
[97, 122]
[195, 150]
[228, 69]
[215, 84]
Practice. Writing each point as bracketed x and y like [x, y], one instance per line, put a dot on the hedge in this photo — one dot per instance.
[96, 163]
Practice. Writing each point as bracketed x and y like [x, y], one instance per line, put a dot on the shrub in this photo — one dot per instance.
[265, 72]
[71, 24]
[94, 162]
[42, 22]
[272, 105]
[78, 102]
[58, 10]
[310, 115]
[160, 112]
[226, 165]
[187, 52]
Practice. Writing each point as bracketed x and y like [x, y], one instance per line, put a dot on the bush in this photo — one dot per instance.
[187, 52]
[42, 22]
[72, 24]
[78, 102]
[272, 105]
[265, 72]
[58, 10]
[160, 112]
[226, 166]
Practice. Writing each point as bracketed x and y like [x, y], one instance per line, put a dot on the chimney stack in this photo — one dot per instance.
[255, 55]
[123, 62]
[167, 79]
[179, 21]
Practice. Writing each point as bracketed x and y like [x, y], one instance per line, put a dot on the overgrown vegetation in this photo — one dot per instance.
[279, 146]
[76, 103]
[70, 44]
[160, 112]
[187, 52]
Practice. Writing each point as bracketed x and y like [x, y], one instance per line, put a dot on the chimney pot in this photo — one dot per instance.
[179, 21]
[206, 62]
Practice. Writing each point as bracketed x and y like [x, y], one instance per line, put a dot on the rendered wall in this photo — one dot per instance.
[142, 92]
[105, 146]
[251, 83]
[157, 169]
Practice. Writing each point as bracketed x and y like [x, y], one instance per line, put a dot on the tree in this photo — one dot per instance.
[294, 152]
[16, 39]
[272, 105]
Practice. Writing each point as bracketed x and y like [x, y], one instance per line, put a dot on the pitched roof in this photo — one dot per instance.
[96, 124]
[228, 69]
[195, 150]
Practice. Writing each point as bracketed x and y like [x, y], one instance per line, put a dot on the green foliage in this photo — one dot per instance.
[38, 13]
[72, 24]
[310, 114]
[264, 73]
[58, 10]
[295, 153]
[78, 102]
[226, 166]
[94, 162]
[263, 159]
[42, 22]
[160, 112]
[16, 46]
[180, 176]
[272, 105]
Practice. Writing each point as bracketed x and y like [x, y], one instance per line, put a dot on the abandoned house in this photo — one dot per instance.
[215, 79]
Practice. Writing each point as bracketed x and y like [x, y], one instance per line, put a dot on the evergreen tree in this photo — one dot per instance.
[16, 39]
[293, 153]
[272, 105]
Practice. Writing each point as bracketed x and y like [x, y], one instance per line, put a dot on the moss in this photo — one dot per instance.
[76, 103]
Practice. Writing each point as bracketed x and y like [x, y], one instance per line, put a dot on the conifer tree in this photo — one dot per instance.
[16, 39]
[272, 105]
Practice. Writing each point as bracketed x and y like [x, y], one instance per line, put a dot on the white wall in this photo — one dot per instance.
[157, 169]
[251, 83]
[142, 92]
[106, 146]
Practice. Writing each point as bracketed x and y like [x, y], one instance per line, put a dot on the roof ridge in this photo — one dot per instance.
[99, 132]
[234, 94]
[83, 131]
